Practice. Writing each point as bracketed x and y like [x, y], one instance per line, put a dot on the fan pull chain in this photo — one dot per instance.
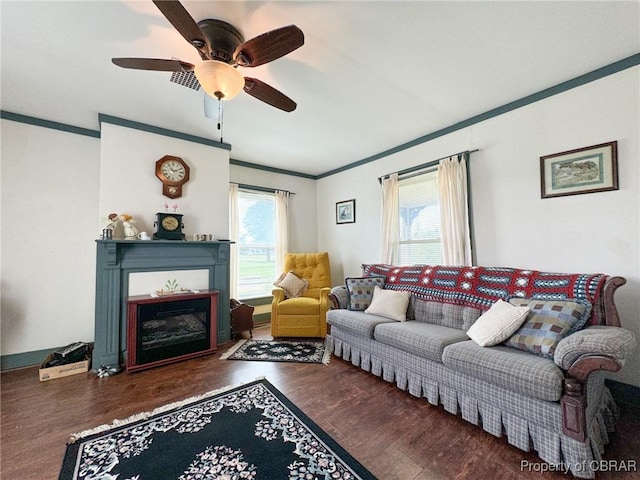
[220, 119]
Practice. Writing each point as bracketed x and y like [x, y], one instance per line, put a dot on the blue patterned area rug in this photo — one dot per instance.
[300, 351]
[248, 432]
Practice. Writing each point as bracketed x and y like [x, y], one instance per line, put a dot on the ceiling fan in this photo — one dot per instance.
[222, 49]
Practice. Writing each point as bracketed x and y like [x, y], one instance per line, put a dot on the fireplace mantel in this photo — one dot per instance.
[116, 259]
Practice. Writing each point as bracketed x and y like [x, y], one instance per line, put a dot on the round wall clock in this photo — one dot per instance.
[173, 172]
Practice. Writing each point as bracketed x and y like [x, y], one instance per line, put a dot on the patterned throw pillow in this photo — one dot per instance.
[548, 322]
[360, 291]
[292, 285]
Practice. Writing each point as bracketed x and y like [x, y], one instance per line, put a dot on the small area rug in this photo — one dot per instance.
[247, 432]
[300, 351]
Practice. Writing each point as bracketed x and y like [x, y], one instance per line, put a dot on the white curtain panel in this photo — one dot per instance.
[390, 219]
[234, 230]
[454, 212]
[282, 228]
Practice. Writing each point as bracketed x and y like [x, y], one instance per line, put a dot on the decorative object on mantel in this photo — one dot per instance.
[173, 172]
[204, 237]
[130, 230]
[172, 288]
[110, 226]
[297, 351]
[583, 170]
[346, 211]
[166, 293]
[249, 431]
[168, 226]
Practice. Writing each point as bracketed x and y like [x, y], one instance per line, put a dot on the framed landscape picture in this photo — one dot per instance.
[584, 170]
[346, 211]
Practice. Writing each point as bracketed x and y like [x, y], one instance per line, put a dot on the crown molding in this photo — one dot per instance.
[145, 127]
[39, 122]
[578, 81]
[597, 74]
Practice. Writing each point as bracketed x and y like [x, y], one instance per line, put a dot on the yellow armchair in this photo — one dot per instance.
[304, 316]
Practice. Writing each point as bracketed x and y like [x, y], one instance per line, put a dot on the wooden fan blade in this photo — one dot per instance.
[268, 94]
[158, 64]
[269, 46]
[185, 25]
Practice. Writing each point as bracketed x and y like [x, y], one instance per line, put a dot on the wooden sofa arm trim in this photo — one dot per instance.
[573, 402]
[573, 406]
[610, 310]
[585, 365]
[333, 302]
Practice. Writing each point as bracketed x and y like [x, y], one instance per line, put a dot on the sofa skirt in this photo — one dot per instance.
[528, 423]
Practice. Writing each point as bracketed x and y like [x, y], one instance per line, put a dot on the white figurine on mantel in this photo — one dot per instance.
[130, 230]
[109, 226]
[112, 219]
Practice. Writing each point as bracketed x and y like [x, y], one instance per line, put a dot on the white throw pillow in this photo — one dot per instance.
[292, 285]
[497, 324]
[389, 304]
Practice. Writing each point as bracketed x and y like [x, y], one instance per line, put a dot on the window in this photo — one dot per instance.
[419, 217]
[256, 245]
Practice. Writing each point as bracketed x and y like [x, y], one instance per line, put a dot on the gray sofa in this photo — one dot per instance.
[555, 404]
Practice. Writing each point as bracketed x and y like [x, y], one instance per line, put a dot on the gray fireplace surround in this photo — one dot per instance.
[116, 259]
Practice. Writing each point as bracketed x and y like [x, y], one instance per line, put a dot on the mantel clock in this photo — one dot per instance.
[168, 226]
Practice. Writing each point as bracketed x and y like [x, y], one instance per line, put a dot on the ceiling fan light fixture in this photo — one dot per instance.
[220, 80]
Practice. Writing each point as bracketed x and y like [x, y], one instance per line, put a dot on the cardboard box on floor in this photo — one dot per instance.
[60, 371]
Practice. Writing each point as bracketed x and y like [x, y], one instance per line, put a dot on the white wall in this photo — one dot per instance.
[57, 189]
[302, 205]
[513, 226]
[49, 209]
[128, 183]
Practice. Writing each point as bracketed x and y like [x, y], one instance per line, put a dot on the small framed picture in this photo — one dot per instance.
[346, 211]
[584, 170]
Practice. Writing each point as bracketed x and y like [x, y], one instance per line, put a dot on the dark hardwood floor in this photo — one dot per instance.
[393, 434]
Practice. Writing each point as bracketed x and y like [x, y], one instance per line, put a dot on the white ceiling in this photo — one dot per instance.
[371, 75]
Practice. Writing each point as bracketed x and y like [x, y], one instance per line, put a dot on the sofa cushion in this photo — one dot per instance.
[548, 322]
[445, 314]
[359, 323]
[420, 338]
[360, 291]
[497, 324]
[299, 306]
[513, 369]
[389, 304]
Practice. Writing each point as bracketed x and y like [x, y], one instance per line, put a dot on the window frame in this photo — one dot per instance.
[243, 190]
[432, 172]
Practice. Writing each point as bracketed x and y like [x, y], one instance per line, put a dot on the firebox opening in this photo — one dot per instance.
[171, 329]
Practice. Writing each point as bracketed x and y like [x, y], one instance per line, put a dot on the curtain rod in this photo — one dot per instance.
[432, 163]
[262, 189]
